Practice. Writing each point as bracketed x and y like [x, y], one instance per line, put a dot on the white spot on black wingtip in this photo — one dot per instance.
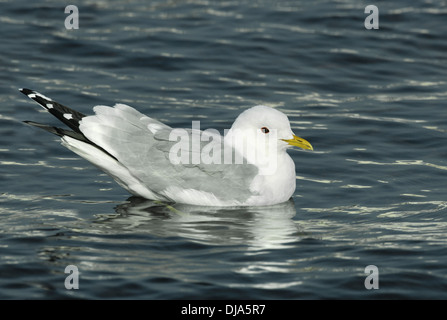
[37, 94]
[34, 94]
[49, 105]
[68, 116]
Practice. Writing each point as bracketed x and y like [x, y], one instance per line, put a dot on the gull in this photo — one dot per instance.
[248, 166]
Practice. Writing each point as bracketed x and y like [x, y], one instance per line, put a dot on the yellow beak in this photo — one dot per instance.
[299, 142]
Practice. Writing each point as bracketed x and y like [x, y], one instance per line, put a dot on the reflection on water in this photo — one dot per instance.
[178, 244]
[268, 227]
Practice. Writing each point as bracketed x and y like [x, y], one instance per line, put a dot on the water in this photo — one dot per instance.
[371, 102]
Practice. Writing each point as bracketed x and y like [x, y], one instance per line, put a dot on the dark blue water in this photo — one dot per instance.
[373, 103]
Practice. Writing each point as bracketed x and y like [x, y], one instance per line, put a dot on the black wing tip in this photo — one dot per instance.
[32, 123]
[26, 91]
[76, 134]
[36, 96]
[65, 114]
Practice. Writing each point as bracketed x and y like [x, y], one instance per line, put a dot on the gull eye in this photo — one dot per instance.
[265, 130]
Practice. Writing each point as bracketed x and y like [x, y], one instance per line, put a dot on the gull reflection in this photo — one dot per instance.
[260, 228]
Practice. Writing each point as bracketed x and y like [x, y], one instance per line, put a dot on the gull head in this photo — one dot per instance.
[264, 130]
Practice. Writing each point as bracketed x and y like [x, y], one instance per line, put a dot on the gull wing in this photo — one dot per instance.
[144, 146]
